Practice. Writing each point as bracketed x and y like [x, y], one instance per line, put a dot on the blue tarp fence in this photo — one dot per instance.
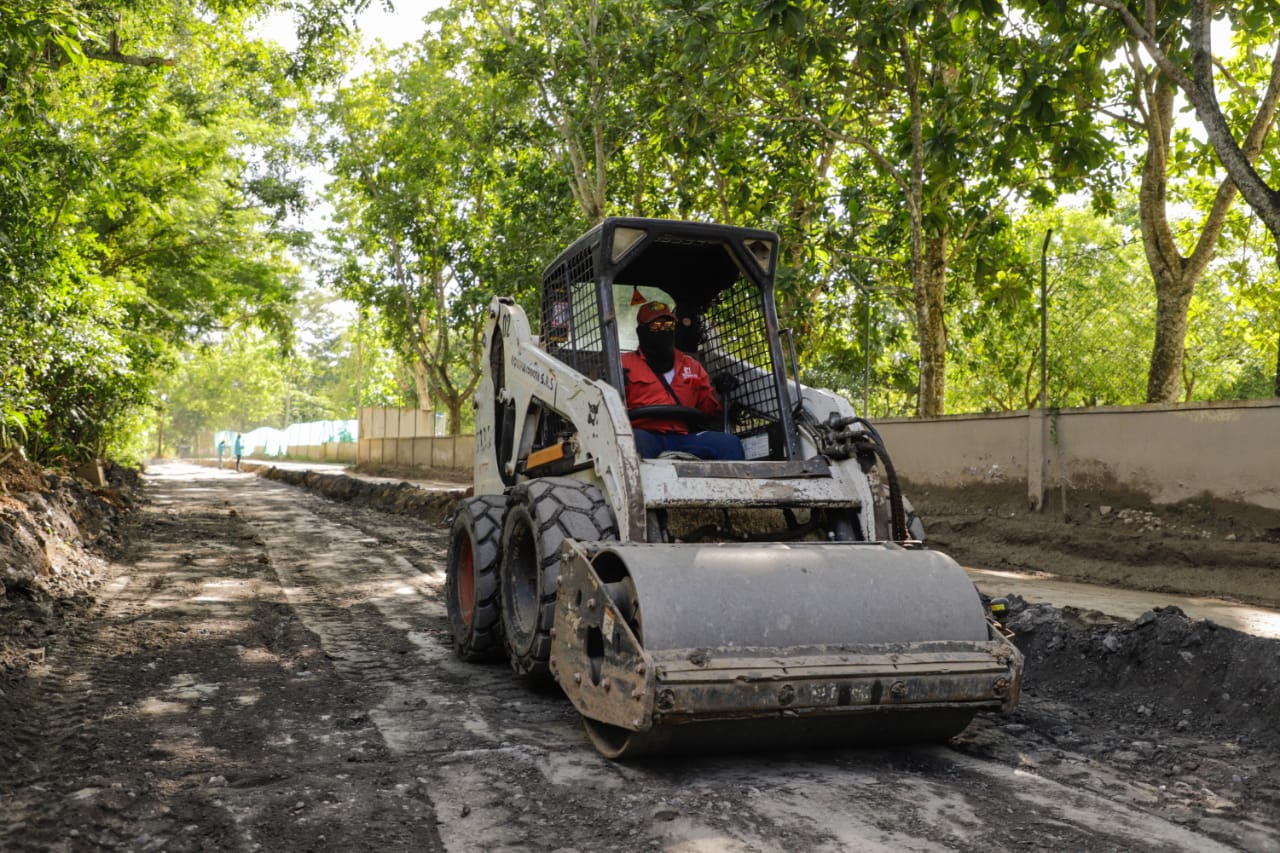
[269, 441]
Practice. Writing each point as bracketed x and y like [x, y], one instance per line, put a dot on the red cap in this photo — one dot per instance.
[651, 311]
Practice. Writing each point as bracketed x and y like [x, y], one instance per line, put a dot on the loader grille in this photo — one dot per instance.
[736, 339]
[571, 327]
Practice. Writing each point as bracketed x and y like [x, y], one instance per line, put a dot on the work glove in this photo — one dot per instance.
[724, 383]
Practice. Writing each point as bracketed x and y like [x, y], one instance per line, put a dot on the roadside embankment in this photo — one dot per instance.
[56, 534]
[402, 498]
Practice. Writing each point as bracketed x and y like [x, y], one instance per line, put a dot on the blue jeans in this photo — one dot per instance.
[704, 445]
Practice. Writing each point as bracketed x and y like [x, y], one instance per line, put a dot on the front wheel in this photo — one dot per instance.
[541, 515]
[471, 578]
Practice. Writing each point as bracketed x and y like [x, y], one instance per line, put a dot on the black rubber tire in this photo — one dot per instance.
[542, 514]
[471, 578]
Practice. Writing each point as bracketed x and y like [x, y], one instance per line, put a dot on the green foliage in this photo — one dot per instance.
[868, 136]
[1100, 322]
[910, 154]
[431, 226]
[1234, 324]
[238, 383]
[142, 194]
[864, 344]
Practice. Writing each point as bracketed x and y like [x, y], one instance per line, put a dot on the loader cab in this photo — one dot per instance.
[720, 278]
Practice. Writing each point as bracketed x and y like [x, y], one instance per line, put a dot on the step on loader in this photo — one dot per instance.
[784, 600]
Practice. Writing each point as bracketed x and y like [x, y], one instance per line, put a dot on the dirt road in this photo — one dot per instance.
[266, 669]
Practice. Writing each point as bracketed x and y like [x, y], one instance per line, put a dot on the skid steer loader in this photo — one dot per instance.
[691, 604]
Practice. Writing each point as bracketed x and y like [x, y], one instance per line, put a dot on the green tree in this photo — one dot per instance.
[1098, 313]
[1189, 62]
[237, 383]
[1173, 171]
[583, 68]
[432, 226]
[142, 189]
[927, 121]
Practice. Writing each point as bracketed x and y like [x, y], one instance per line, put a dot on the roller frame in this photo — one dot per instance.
[636, 689]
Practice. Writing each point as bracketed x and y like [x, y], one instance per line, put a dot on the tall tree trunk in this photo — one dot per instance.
[1174, 275]
[1173, 298]
[422, 382]
[1168, 272]
[928, 255]
[1198, 86]
[454, 407]
[930, 289]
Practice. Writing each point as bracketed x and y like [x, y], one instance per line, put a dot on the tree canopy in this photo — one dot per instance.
[161, 164]
[145, 188]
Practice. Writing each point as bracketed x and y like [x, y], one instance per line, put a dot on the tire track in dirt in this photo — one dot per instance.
[273, 671]
[192, 711]
[509, 768]
[73, 784]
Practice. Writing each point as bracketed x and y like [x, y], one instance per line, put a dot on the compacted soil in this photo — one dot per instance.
[223, 661]
[1202, 547]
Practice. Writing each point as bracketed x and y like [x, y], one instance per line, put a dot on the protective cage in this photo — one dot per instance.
[723, 273]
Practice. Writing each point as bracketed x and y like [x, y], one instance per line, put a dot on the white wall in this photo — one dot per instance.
[406, 438]
[1230, 450]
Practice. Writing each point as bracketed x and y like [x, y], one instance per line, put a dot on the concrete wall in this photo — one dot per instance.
[405, 438]
[396, 423]
[444, 451]
[333, 451]
[1230, 450]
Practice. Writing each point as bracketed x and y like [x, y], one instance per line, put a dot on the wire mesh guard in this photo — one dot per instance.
[736, 340]
[572, 330]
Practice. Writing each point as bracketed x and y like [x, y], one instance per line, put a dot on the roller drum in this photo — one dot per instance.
[779, 594]
[676, 648]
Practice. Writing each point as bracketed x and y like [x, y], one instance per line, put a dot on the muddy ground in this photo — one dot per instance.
[229, 662]
[1199, 547]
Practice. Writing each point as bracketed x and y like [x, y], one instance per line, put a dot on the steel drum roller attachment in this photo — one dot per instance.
[684, 647]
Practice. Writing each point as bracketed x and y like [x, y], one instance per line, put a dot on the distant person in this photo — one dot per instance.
[658, 374]
[222, 448]
[239, 449]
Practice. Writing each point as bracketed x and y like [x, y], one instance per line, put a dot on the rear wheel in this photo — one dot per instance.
[542, 514]
[471, 578]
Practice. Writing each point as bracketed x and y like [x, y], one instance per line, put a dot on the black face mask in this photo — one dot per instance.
[658, 348]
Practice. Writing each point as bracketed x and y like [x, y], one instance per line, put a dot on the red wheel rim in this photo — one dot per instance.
[466, 580]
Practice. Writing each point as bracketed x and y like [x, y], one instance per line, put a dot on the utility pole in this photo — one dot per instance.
[1037, 421]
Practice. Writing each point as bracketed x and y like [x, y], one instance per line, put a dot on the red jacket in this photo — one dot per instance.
[690, 383]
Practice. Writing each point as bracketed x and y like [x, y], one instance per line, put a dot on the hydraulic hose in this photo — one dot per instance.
[897, 512]
[871, 441]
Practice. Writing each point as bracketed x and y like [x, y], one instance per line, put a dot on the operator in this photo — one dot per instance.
[657, 374]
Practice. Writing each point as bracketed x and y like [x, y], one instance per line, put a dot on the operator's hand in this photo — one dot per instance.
[724, 383]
